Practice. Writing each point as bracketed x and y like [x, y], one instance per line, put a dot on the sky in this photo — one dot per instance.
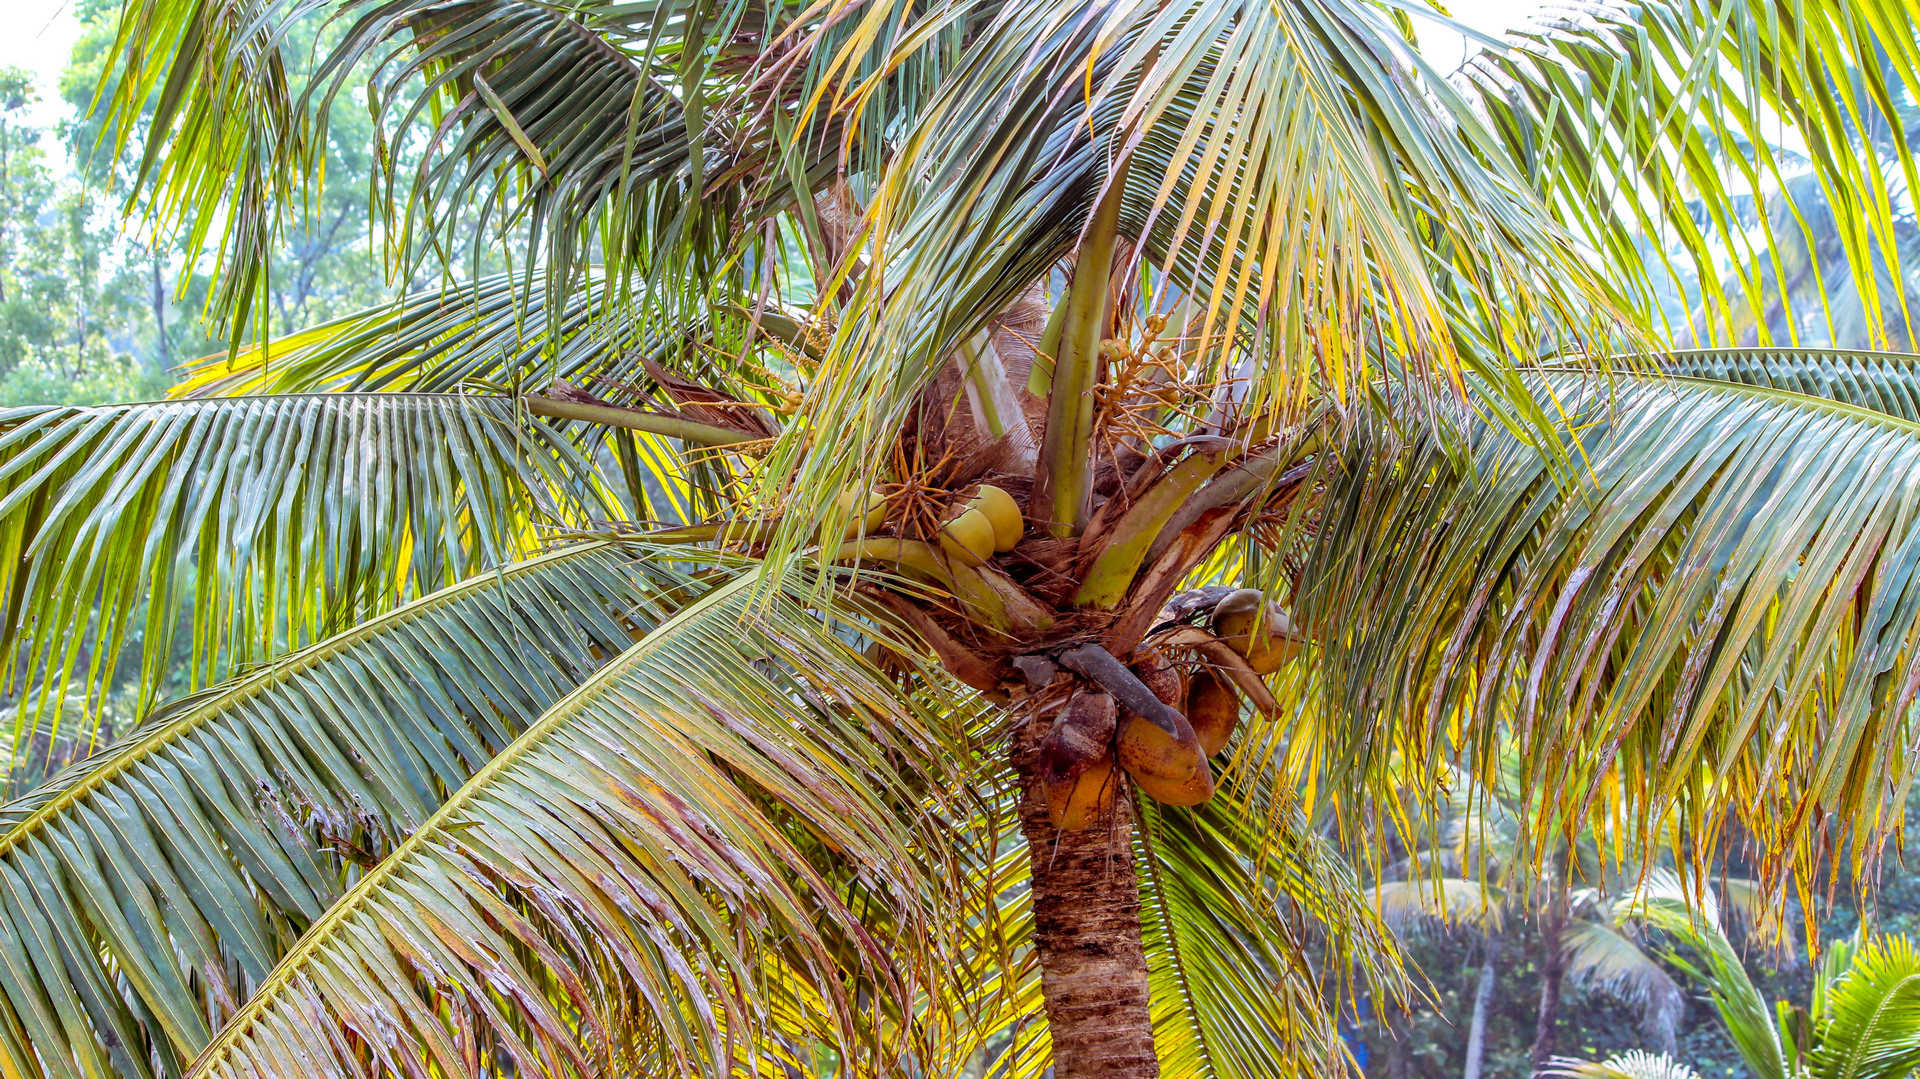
[38, 35]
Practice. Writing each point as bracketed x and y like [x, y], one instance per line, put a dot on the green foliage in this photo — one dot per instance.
[597, 815]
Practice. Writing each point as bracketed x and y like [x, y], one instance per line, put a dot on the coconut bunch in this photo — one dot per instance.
[1068, 608]
[1197, 682]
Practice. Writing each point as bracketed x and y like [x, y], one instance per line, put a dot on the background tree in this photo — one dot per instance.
[1474, 873]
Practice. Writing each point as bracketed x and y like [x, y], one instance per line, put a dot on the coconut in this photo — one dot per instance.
[1004, 513]
[969, 537]
[1213, 707]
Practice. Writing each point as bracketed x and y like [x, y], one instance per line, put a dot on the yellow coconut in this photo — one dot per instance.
[969, 537]
[866, 511]
[1004, 513]
[1213, 707]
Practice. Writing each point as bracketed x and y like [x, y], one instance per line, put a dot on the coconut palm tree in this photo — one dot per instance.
[1469, 872]
[1863, 1019]
[1104, 371]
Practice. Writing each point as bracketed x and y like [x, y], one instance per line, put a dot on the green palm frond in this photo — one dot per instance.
[446, 340]
[1722, 587]
[483, 336]
[601, 131]
[1883, 381]
[279, 518]
[1699, 947]
[1715, 140]
[1600, 956]
[492, 109]
[616, 890]
[236, 173]
[1632, 1064]
[648, 139]
[1228, 910]
[1870, 1024]
[1251, 140]
[151, 887]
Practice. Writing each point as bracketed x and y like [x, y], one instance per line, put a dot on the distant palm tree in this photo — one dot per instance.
[543, 616]
[1478, 873]
[1863, 1021]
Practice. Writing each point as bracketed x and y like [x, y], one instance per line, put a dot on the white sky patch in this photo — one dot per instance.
[1445, 48]
[38, 35]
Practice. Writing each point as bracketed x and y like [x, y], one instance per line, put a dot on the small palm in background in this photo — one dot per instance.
[1862, 1022]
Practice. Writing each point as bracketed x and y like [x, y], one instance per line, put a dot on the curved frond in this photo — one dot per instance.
[152, 886]
[646, 140]
[1883, 381]
[616, 891]
[1714, 608]
[278, 519]
[1871, 1020]
[1228, 910]
[237, 172]
[1246, 141]
[565, 123]
[1744, 169]
[1702, 950]
[1598, 955]
[481, 333]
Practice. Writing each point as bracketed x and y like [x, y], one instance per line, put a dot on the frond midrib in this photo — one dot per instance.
[1727, 387]
[339, 396]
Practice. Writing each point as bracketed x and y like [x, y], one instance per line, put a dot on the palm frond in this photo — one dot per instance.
[1870, 1025]
[1702, 950]
[1251, 140]
[616, 890]
[1727, 160]
[1722, 588]
[1599, 955]
[152, 886]
[650, 139]
[1449, 901]
[235, 168]
[1883, 381]
[452, 339]
[1632, 1064]
[281, 517]
[566, 122]
[1233, 915]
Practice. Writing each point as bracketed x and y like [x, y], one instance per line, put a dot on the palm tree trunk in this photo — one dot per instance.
[1552, 969]
[1482, 1004]
[1086, 928]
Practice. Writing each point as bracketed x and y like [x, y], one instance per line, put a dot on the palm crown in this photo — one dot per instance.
[544, 615]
